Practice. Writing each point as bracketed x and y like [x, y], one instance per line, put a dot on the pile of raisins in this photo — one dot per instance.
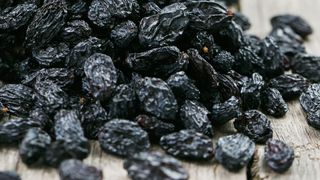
[133, 73]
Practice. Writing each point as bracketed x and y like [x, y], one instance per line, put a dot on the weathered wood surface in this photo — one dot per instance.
[292, 129]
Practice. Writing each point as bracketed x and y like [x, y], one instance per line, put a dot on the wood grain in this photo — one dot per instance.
[292, 129]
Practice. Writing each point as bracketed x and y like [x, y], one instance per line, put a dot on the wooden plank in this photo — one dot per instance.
[293, 128]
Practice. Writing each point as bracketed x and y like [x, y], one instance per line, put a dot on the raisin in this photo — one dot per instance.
[247, 60]
[123, 103]
[123, 138]
[188, 144]
[9, 175]
[16, 99]
[231, 37]
[63, 77]
[255, 125]
[103, 13]
[154, 165]
[313, 119]
[82, 51]
[40, 116]
[52, 55]
[183, 87]
[51, 97]
[164, 28]
[74, 169]
[223, 62]
[204, 75]
[272, 59]
[297, 23]
[204, 42]
[18, 17]
[75, 31]
[242, 21]
[310, 102]
[250, 92]
[278, 155]
[273, 103]
[234, 151]
[101, 76]
[228, 86]
[158, 62]
[13, 130]
[34, 145]
[46, 24]
[156, 98]
[150, 8]
[289, 42]
[307, 66]
[124, 33]
[93, 117]
[221, 113]
[155, 127]
[195, 116]
[290, 85]
[70, 140]
[207, 15]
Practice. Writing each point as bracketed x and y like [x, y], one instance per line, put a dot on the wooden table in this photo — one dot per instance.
[292, 129]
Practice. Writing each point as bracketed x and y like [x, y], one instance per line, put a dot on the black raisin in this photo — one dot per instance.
[123, 138]
[74, 169]
[154, 165]
[156, 98]
[188, 144]
[255, 125]
[34, 145]
[278, 155]
[234, 151]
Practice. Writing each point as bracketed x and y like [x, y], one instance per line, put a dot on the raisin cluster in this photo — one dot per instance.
[132, 73]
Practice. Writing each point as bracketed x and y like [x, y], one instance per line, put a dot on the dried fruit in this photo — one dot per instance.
[153, 165]
[273, 103]
[16, 99]
[70, 140]
[155, 127]
[33, 146]
[221, 113]
[124, 33]
[250, 92]
[188, 144]
[310, 102]
[157, 62]
[13, 130]
[297, 23]
[255, 125]
[74, 169]
[234, 151]
[207, 15]
[124, 102]
[164, 28]
[183, 87]
[46, 24]
[307, 66]
[100, 76]
[93, 117]
[123, 138]
[194, 116]
[17, 17]
[289, 85]
[156, 98]
[278, 155]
